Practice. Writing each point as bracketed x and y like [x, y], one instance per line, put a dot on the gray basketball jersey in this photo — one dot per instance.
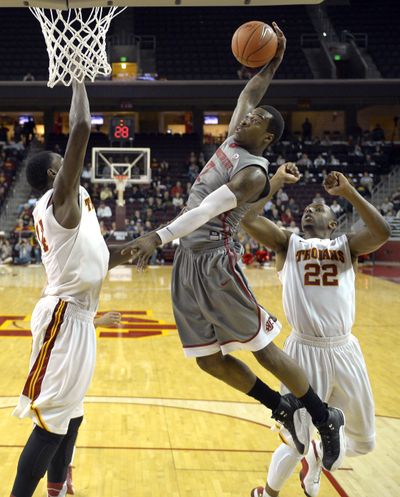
[227, 161]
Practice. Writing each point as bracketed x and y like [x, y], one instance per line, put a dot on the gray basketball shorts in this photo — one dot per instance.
[214, 308]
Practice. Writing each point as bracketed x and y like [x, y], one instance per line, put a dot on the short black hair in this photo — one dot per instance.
[276, 124]
[37, 166]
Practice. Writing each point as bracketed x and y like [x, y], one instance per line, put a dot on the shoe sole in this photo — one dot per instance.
[302, 484]
[301, 427]
[342, 453]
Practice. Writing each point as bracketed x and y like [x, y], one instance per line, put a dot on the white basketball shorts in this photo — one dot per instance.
[61, 365]
[336, 370]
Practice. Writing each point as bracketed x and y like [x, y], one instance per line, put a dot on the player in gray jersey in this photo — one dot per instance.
[214, 308]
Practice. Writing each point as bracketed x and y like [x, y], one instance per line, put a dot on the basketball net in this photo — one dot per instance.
[76, 42]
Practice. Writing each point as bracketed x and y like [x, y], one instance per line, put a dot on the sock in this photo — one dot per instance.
[34, 461]
[314, 405]
[283, 463]
[261, 392]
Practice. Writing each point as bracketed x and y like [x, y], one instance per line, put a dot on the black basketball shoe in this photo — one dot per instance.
[288, 414]
[333, 439]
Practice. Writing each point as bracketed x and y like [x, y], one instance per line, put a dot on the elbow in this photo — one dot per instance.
[386, 231]
[82, 125]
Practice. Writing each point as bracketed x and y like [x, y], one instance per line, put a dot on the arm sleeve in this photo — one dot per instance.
[217, 202]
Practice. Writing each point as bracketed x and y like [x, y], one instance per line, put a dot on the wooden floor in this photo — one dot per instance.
[157, 425]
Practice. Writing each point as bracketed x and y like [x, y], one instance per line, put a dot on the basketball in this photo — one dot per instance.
[254, 44]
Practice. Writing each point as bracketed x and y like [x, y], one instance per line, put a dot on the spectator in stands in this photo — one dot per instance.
[280, 160]
[318, 199]
[193, 172]
[28, 130]
[87, 171]
[319, 161]
[28, 77]
[293, 228]
[304, 161]
[286, 217]
[333, 161]
[369, 160]
[282, 196]
[23, 250]
[104, 230]
[395, 199]
[158, 206]
[164, 166]
[177, 201]
[5, 249]
[177, 188]
[293, 206]
[358, 151]
[106, 193]
[377, 134]
[306, 133]
[336, 208]
[104, 211]
[366, 182]
[3, 134]
[386, 206]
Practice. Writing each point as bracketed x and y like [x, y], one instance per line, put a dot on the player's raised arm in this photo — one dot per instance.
[376, 230]
[66, 183]
[259, 227]
[255, 89]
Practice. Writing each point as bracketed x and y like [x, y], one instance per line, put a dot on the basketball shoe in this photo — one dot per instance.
[288, 413]
[333, 439]
[310, 473]
[258, 492]
[70, 484]
[56, 489]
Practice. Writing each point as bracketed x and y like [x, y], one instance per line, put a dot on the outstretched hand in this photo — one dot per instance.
[142, 249]
[280, 50]
[337, 184]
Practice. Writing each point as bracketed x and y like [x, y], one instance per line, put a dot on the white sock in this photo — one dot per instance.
[284, 461]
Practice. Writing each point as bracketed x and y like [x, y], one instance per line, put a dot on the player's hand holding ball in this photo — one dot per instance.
[337, 184]
[255, 44]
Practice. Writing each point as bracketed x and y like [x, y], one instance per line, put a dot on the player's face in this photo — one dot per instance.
[252, 130]
[317, 217]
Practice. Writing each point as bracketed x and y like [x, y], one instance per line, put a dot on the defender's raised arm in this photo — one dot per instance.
[66, 184]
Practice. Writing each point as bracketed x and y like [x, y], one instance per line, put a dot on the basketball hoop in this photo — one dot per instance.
[76, 42]
[121, 181]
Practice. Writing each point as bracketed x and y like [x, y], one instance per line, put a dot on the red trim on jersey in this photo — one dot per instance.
[34, 382]
[225, 161]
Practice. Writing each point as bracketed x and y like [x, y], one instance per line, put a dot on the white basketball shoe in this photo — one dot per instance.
[258, 492]
[310, 473]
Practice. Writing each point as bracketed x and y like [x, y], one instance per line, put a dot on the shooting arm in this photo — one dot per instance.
[255, 89]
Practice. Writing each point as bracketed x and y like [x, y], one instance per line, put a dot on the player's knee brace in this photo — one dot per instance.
[38, 453]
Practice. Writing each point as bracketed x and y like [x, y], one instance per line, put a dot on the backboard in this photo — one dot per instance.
[110, 163]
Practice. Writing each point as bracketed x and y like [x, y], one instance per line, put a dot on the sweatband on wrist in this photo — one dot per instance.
[217, 202]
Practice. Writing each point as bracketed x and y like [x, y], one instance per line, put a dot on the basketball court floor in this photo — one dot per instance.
[157, 425]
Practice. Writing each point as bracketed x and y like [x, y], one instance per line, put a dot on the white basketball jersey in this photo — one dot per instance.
[75, 260]
[318, 282]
